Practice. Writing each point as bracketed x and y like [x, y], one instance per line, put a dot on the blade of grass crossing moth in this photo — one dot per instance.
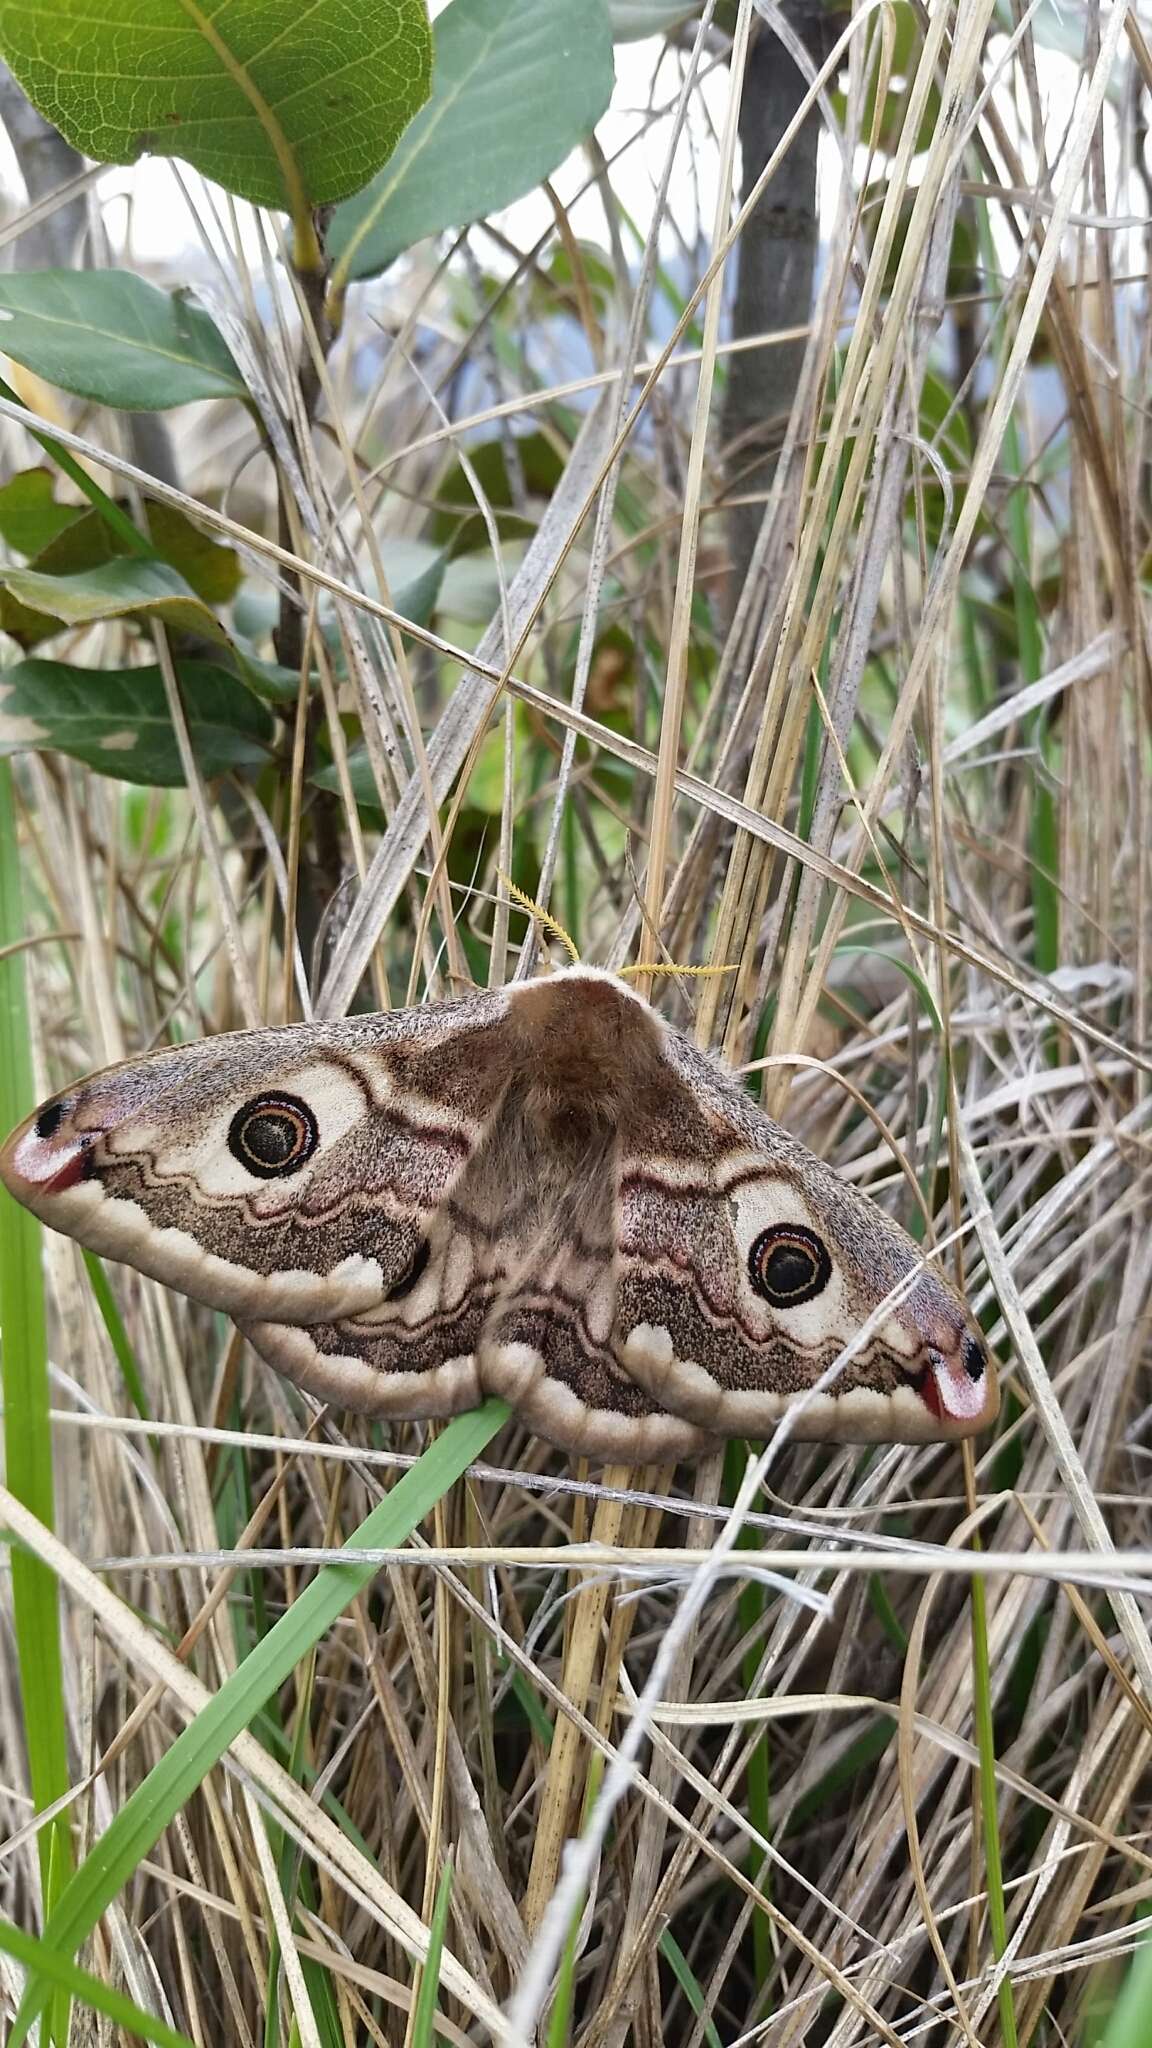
[38, 1959]
[146, 1813]
[27, 1428]
[423, 2033]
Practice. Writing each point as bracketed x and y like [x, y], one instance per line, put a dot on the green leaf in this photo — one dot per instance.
[415, 571]
[41, 1961]
[116, 720]
[212, 570]
[517, 84]
[262, 95]
[927, 1000]
[457, 524]
[116, 590]
[30, 516]
[109, 336]
[362, 781]
[270, 679]
[170, 1783]
[902, 59]
[88, 542]
[1054, 29]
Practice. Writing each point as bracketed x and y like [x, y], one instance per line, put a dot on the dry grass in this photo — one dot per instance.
[888, 1795]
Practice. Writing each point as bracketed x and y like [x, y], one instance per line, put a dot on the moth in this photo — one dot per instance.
[543, 1192]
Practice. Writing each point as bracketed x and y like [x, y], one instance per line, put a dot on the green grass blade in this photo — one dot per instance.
[145, 1815]
[986, 1744]
[905, 967]
[559, 2032]
[1129, 2024]
[424, 2018]
[27, 1429]
[117, 1335]
[564, 1997]
[689, 1984]
[45, 1962]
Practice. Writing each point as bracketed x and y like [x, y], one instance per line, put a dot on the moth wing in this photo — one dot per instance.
[284, 1176]
[410, 1356]
[546, 1345]
[748, 1269]
[514, 1296]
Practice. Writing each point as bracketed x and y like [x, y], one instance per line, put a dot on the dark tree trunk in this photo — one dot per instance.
[775, 267]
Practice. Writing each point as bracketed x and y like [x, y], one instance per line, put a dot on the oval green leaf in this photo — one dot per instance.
[30, 515]
[109, 336]
[116, 720]
[517, 84]
[87, 542]
[116, 590]
[276, 102]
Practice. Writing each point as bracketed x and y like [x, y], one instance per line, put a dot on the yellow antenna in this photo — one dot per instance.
[674, 967]
[542, 916]
[552, 924]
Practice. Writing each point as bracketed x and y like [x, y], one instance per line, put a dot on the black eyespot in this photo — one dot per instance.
[972, 1353]
[48, 1122]
[788, 1265]
[273, 1135]
[407, 1281]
